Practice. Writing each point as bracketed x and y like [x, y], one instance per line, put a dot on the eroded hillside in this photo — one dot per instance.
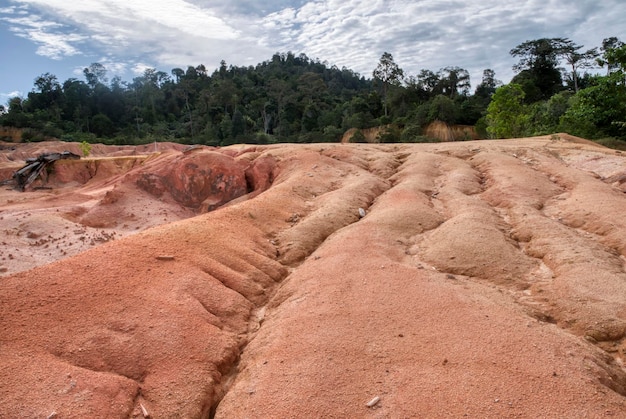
[481, 278]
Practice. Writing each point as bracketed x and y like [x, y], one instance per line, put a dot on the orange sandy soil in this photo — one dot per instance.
[486, 279]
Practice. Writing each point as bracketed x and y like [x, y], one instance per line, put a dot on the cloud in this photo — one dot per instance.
[428, 34]
[420, 34]
[4, 97]
[117, 25]
[51, 37]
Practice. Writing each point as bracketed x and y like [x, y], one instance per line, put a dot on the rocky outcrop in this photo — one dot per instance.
[199, 179]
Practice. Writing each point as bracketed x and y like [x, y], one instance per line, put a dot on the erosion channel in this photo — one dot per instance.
[482, 278]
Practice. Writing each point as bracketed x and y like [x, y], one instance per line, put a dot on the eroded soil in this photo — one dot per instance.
[485, 279]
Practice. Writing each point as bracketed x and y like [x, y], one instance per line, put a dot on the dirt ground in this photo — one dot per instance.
[462, 279]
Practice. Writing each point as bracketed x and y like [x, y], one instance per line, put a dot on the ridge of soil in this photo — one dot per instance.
[480, 279]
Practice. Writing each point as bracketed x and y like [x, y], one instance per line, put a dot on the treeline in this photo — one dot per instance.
[293, 98]
[286, 99]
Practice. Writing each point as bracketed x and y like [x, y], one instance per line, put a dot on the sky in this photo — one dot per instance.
[62, 37]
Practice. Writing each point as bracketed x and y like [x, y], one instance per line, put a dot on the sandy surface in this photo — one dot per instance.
[471, 279]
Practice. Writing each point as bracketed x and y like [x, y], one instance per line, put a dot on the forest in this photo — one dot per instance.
[559, 86]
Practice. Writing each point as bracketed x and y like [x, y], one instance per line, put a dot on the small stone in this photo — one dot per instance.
[362, 212]
[373, 402]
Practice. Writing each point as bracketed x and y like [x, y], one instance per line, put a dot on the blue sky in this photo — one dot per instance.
[127, 36]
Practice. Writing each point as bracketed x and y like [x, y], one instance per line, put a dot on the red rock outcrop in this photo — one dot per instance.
[197, 179]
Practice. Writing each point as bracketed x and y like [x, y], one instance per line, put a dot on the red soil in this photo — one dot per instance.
[486, 279]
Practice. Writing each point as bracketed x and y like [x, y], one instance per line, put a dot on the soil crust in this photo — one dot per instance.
[478, 279]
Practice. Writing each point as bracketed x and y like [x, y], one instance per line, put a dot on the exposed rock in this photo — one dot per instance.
[202, 180]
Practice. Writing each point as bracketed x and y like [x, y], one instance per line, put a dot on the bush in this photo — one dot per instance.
[331, 134]
[32, 135]
[85, 148]
[357, 137]
[391, 134]
[410, 133]
[263, 138]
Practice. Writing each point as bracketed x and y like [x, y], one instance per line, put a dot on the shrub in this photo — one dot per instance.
[357, 137]
[85, 148]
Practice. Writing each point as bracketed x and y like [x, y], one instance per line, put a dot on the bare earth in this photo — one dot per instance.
[486, 279]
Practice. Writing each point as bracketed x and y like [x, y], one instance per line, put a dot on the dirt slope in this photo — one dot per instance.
[479, 279]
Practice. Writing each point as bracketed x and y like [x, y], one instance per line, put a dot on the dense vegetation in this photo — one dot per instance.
[297, 99]
[542, 98]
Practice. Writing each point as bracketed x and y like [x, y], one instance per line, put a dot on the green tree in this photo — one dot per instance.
[613, 55]
[539, 75]
[102, 126]
[15, 115]
[577, 60]
[178, 74]
[238, 124]
[95, 74]
[428, 81]
[488, 85]
[454, 81]
[389, 73]
[506, 114]
[444, 109]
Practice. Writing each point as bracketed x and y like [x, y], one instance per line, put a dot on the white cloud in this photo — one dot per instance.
[139, 68]
[52, 43]
[421, 34]
[429, 34]
[6, 96]
[139, 27]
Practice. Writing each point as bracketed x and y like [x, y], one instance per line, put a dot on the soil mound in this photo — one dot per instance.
[481, 279]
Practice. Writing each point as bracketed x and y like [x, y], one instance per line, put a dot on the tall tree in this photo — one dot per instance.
[454, 81]
[428, 80]
[389, 73]
[488, 85]
[539, 74]
[178, 73]
[95, 74]
[47, 96]
[576, 59]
